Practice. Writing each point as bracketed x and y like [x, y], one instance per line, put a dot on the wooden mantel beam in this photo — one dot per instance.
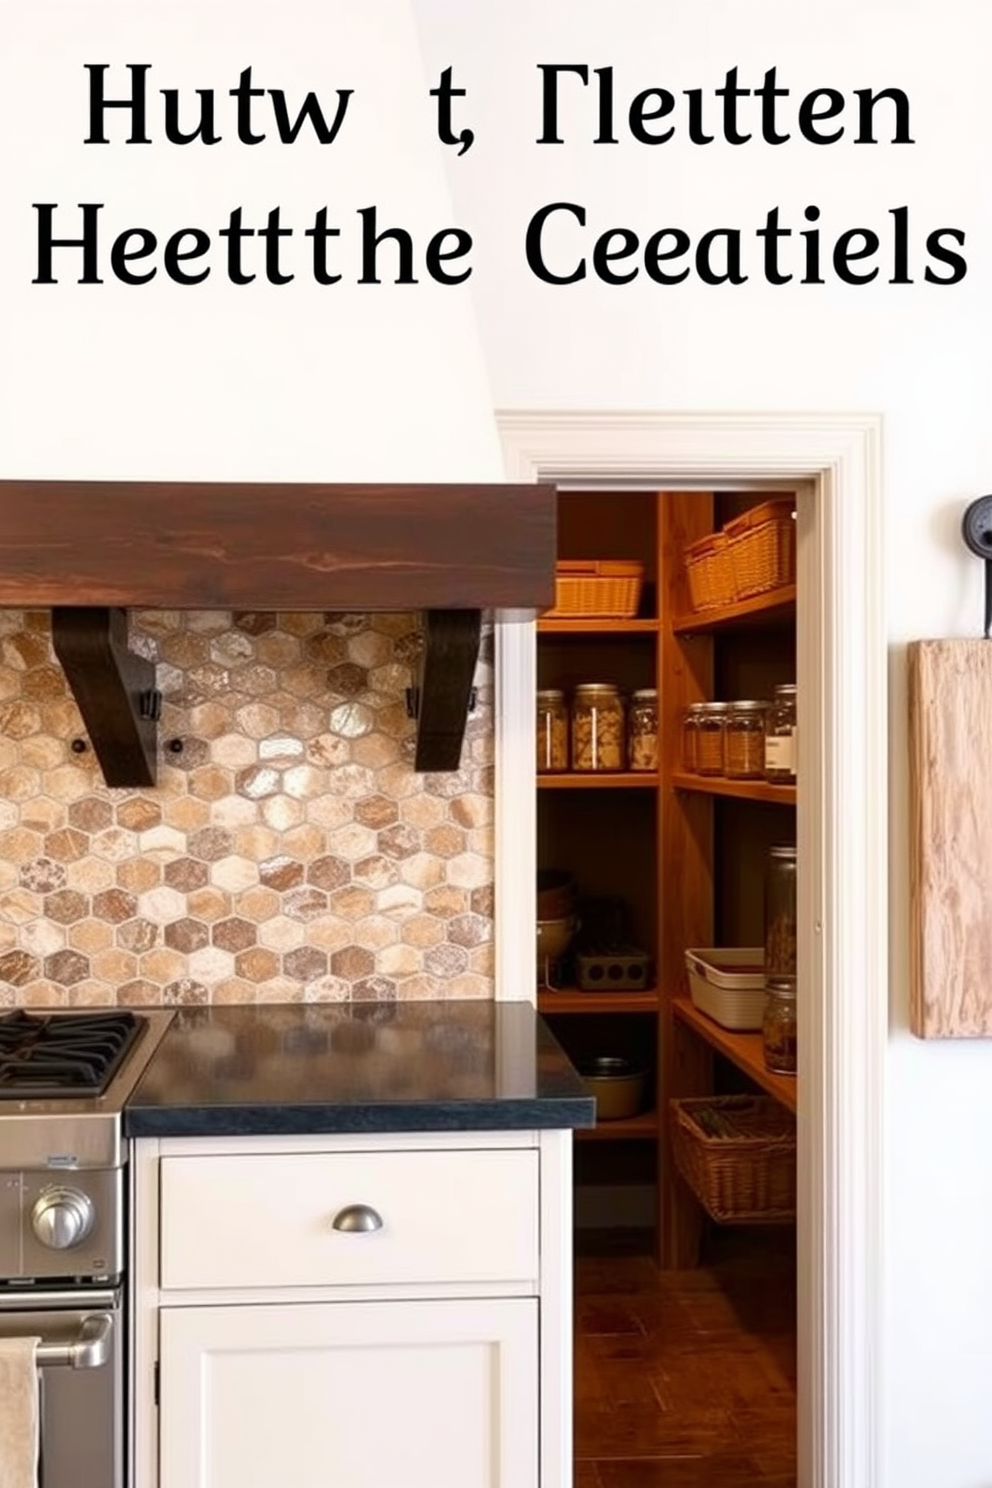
[191, 545]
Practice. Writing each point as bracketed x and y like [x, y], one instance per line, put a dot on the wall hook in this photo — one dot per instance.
[976, 529]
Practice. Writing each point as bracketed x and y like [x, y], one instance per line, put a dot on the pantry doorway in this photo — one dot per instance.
[833, 461]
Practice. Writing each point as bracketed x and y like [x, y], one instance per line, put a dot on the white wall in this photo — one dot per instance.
[919, 354]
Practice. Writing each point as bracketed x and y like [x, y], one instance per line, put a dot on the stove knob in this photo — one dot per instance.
[62, 1218]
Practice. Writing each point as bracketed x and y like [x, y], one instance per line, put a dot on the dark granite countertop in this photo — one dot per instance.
[293, 1069]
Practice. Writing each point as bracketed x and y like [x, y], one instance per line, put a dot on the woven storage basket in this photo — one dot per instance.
[761, 545]
[711, 578]
[600, 588]
[738, 1155]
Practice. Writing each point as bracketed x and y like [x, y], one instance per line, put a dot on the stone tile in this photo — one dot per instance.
[472, 810]
[234, 752]
[115, 906]
[186, 935]
[138, 814]
[377, 931]
[374, 989]
[43, 876]
[211, 964]
[483, 900]
[66, 967]
[162, 965]
[282, 872]
[18, 967]
[162, 904]
[258, 903]
[41, 752]
[209, 904]
[423, 931]
[186, 992]
[20, 906]
[234, 874]
[91, 936]
[281, 813]
[282, 934]
[115, 844]
[188, 813]
[352, 902]
[352, 963]
[445, 841]
[66, 845]
[66, 906]
[91, 814]
[377, 872]
[254, 622]
[423, 871]
[186, 874]
[256, 842]
[446, 901]
[209, 845]
[399, 961]
[139, 993]
[43, 937]
[257, 964]
[137, 935]
[234, 934]
[423, 811]
[470, 870]
[348, 679]
[305, 904]
[114, 966]
[305, 964]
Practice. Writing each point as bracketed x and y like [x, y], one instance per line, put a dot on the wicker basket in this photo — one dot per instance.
[761, 545]
[604, 588]
[738, 1155]
[711, 578]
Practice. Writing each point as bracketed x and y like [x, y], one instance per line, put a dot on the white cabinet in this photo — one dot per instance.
[350, 1395]
[278, 1346]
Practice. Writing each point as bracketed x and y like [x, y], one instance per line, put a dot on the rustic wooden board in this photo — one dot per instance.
[950, 727]
[157, 545]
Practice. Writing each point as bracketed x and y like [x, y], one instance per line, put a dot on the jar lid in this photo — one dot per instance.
[748, 705]
[714, 707]
[551, 694]
[784, 991]
[646, 694]
[696, 707]
[786, 689]
[781, 850]
[596, 687]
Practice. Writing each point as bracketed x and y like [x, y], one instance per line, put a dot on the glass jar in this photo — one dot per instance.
[744, 741]
[690, 729]
[780, 736]
[597, 727]
[780, 916]
[552, 731]
[709, 739]
[642, 730]
[779, 1039]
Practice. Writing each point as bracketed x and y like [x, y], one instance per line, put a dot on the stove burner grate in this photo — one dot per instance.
[45, 1056]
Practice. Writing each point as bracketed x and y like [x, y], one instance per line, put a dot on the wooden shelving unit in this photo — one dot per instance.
[584, 626]
[571, 1000]
[742, 1049]
[683, 853]
[739, 790]
[600, 780]
[776, 608]
[629, 1128]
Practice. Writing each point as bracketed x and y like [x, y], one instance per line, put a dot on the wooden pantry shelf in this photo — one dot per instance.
[742, 1049]
[740, 790]
[600, 780]
[628, 1128]
[571, 1000]
[586, 625]
[777, 607]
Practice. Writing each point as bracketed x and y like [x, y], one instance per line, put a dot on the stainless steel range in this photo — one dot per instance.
[64, 1079]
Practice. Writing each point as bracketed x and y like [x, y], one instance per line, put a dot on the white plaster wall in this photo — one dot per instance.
[918, 354]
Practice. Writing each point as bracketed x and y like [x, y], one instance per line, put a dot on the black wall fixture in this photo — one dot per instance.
[114, 690]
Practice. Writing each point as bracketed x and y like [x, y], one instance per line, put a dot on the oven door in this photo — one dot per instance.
[80, 1381]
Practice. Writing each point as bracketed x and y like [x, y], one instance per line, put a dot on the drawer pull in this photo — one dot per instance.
[357, 1219]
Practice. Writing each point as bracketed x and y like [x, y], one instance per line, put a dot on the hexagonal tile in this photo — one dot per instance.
[138, 814]
[188, 813]
[137, 935]
[254, 622]
[234, 752]
[234, 934]
[328, 751]
[187, 991]
[469, 930]
[161, 904]
[423, 931]
[19, 783]
[257, 964]
[186, 935]
[377, 812]
[186, 874]
[374, 989]
[377, 931]
[115, 844]
[399, 960]
[42, 876]
[470, 870]
[69, 783]
[305, 964]
[258, 781]
[446, 901]
[210, 845]
[282, 872]
[211, 964]
[66, 906]
[91, 814]
[259, 903]
[232, 648]
[18, 967]
[115, 906]
[376, 871]
[352, 842]
[67, 967]
[41, 752]
[422, 871]
[329, 873]
[352, 902]
[353, 962]
[18, 720]
[304, 904]
[446, 841]
[209, 904]
[210, 782]
[114, 966]
[281, 933]
[42, 937]
[139, 993]
[90, 936]
[257, 720]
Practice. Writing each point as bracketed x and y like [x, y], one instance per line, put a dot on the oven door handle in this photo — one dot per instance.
[89, 1351]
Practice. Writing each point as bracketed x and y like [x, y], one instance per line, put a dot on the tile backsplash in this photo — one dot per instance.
[288, 852]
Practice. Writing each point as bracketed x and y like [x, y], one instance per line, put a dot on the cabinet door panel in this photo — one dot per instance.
[350, 1395]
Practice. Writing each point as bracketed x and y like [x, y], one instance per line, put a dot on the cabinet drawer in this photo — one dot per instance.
[269, 1220]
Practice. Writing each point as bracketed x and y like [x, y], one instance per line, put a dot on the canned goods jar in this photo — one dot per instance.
[709, 739]
[780, 1043]
[597, 727]
[552, 731]
[780, 915]
[780, 736]
[642, 730]
[690, 731]
[744, 741]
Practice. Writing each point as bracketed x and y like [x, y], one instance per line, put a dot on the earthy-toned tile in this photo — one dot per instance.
[91, 814]
[352, 963]
[186, 935]
[115, 906]
[234, 934]
[43, 875]
[282, 872]
[186, 874]
[257, 964]
[65, 906]
[138, 814]
[139, 875]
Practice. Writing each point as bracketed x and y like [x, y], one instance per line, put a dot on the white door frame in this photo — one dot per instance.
[842, 836]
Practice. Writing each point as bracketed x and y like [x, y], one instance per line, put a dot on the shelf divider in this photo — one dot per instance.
[776, 607]
[740, 790]
[742, 1049]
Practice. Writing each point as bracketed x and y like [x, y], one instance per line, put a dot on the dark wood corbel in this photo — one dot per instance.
[442, 694]
[114, 690]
